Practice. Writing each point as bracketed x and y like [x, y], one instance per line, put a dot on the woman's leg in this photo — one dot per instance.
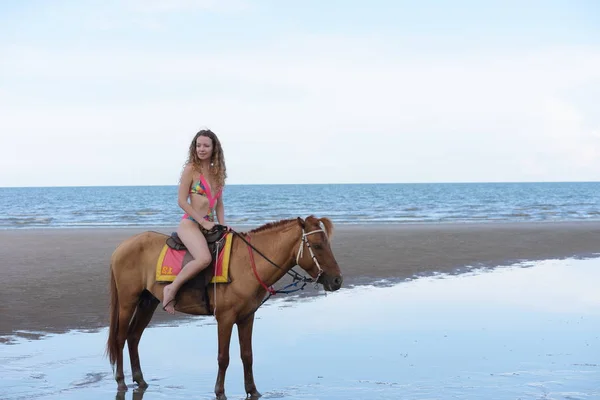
[194, 240]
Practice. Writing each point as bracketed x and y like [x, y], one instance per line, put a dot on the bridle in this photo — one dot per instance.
[297, 278]
[304, 242]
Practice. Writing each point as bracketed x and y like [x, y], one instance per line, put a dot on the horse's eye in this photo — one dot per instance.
[318, 247]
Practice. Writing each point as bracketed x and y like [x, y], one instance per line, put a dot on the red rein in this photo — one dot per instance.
[268, 289]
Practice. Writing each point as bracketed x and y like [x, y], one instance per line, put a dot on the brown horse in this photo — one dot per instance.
[135, 293]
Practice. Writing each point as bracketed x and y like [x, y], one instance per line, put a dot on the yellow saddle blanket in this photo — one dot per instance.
[171, 261]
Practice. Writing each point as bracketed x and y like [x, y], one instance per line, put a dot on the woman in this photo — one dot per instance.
[202, 181]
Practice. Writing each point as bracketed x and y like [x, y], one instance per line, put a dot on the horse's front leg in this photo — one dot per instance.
[225, 325]
[245, 335]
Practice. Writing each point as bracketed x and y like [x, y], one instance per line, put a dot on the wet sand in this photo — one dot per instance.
[57, 279]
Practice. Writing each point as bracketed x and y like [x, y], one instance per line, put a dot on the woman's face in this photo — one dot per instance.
[204, 148]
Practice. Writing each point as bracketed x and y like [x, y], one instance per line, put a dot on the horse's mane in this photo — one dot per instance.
[327, 224]
[271, 225]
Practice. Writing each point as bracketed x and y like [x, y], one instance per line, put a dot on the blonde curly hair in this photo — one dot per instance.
[218, 171]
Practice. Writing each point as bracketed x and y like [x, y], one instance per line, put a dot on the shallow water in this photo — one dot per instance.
[530, 331]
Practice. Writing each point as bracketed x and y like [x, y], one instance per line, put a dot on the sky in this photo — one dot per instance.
[106, 92]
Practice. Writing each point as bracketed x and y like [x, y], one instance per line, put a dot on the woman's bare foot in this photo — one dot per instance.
[169, 299]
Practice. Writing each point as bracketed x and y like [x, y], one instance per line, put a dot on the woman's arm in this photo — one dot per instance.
[220, 210]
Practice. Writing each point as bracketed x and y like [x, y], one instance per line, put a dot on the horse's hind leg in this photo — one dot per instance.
[143, 314]
[127, 305]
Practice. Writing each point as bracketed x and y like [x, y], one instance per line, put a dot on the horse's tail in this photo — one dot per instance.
[112, 349]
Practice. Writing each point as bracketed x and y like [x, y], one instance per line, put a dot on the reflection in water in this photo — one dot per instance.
[528, 331]
[138, 394]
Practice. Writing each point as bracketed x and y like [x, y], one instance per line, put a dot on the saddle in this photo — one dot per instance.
[215, 239]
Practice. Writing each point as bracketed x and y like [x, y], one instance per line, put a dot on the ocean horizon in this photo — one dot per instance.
[319, 184]
[344, 203]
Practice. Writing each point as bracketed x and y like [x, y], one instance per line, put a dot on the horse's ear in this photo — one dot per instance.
[301, 222]
[328, 225]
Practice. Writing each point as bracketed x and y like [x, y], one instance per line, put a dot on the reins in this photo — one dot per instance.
[296, 277]
[292, 273]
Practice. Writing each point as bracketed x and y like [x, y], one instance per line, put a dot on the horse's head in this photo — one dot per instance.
[314, 254]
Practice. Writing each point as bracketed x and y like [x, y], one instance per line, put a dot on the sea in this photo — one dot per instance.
[254, 205]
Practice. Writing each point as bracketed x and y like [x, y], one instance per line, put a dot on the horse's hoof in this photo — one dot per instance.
[254, 395]
[221, 397]
[139, 379]
[142, 384]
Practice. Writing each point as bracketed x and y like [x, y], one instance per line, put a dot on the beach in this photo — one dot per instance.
[523, 331]
[55, 280]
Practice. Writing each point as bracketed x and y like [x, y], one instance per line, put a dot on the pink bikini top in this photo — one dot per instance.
[202, 188]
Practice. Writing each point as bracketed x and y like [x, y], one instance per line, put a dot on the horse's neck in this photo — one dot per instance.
[278, 246]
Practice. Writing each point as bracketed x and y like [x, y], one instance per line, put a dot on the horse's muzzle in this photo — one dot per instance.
[331, 283]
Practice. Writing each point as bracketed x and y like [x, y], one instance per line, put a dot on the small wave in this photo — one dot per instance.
[128, 218]
[577, 204]
[26, 221]
[456, 217]
[359, 216]
[147, 211]
[93, 211]
[92, 224]
[518, 214]
[240, 219]
[541, 206]
[409, 216]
